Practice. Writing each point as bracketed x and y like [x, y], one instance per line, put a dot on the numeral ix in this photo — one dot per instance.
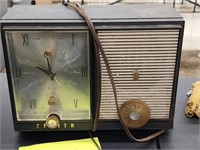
[18, 72]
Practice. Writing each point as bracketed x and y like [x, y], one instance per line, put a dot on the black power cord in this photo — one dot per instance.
[32, 2]
[157, 143]
[82, 2]
[91, 136]
[68, 1]
[115, 2]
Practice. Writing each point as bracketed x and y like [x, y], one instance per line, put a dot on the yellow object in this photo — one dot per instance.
[83, 144]
[193, 104]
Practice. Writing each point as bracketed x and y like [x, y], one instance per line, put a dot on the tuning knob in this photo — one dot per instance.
[52, 121]
[135, 113]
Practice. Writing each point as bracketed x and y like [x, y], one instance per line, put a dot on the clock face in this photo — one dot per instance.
[50, 73]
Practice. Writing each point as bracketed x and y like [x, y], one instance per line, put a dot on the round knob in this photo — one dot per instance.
[135, 113]
[52, 100]
[48, 53]
[52, 122]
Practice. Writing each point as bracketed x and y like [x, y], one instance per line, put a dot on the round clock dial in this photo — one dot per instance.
[50, 72]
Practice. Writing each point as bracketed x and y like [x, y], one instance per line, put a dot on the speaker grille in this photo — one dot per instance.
[151, 54]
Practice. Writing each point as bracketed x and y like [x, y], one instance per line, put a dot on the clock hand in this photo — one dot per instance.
[55, 78]
[49, 66]
[43, 70]
[51, 74]
[47, 55]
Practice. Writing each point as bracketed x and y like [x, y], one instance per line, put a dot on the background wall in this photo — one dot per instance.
[191, 40]
[3, 10]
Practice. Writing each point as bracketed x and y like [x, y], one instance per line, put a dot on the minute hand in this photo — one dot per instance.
[49, 66]
[52, 74]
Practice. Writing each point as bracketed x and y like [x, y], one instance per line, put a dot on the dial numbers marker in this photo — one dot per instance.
[75, 102]
[32, 103]
[18, 72]
[84, 72]
[72, 39]
[25, 39]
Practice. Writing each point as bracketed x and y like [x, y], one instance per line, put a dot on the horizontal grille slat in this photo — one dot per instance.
[107, 39]
[141, 46]
[139, 81]
[139, 57]
[117, 68]
[149, 102]
[158, 88]
[132, 95]
[145, 64]
[137, 32]
[125, 91]
[141, 78]
[140, 43]
[161, 70]
[141, 49]
[141, 74]
[130, 62]
[150, 52]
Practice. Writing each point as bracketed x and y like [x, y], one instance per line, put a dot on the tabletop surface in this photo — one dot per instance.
[184, 135]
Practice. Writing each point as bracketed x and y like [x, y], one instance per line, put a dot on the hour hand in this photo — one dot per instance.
[51, 74]
[43, 70]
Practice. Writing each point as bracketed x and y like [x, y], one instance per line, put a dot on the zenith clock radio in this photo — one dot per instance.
[58, 82]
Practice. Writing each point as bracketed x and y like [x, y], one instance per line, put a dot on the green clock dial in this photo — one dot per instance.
[50, 72]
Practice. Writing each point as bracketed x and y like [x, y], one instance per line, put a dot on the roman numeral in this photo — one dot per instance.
[25, 39]
[32, 103]
[72, 39]
[75, 102]
[84, 72]
[18, 72]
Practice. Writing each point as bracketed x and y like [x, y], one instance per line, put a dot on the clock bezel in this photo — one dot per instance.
[40, 125]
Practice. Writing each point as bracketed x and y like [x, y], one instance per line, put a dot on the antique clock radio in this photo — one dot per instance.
[57, 81]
